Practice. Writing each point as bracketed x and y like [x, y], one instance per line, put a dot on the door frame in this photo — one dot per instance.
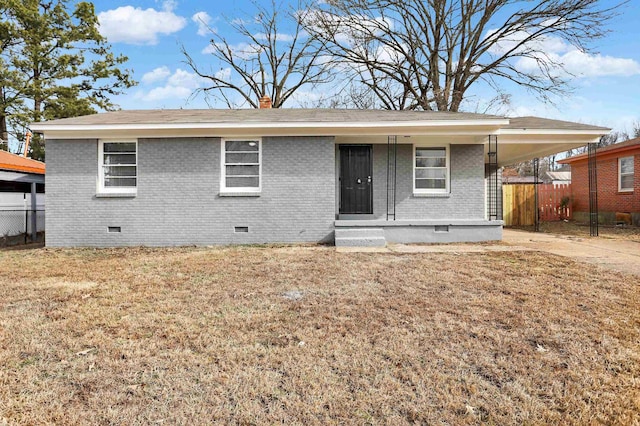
[339, 162]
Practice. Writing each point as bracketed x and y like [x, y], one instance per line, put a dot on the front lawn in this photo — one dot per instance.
[306, 335]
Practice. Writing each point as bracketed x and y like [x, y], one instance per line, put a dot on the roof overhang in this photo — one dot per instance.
[517, 145]
[382, 128]
[10, 176]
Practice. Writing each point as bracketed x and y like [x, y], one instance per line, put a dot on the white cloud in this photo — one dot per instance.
[158, 74]
[240, 50]
[133, 25]
[581, 64]
[182, 78]
[240, 21]
[168, 5]
[224, 74]
[569, 59]
[202, 19]
[178, 85]
[165, 92]
[279, 36]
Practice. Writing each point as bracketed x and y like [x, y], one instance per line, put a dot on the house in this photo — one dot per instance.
[618, 172]
[177, 177]
[557, 177]
[21, 195]
[17, 173]
[510, 176]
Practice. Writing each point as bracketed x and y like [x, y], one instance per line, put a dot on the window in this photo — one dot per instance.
[118, 172]
[241, 165]
[625, 174]
[431, 170]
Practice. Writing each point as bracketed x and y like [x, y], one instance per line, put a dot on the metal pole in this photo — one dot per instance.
[593, 189]
[536, 174]
[34, 218]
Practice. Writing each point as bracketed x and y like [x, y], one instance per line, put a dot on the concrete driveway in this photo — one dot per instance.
[617, 254]
[612, 253]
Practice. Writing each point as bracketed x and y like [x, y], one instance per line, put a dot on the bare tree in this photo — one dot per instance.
[267, 62]
[635, 129]
[426, 54]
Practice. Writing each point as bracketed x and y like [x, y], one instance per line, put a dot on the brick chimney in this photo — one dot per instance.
[265, 102]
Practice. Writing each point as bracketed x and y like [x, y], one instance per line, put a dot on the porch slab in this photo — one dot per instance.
[429, 231]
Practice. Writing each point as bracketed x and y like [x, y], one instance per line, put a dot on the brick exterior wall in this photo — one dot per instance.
[610, 200]
[177, 202]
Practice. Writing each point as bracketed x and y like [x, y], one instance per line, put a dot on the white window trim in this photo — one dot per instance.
[114, 190]
[620, 174]
[447, 179]
[223, 168]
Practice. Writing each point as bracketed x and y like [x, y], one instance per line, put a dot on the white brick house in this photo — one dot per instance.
[178, 177]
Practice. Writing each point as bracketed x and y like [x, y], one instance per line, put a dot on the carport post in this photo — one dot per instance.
[593, 188]
[536, 175]
[34, 219]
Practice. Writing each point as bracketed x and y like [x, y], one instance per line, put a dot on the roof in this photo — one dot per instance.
[526, 123]
[13, 162]
[278, 115]
[629, 145]
[559, 175]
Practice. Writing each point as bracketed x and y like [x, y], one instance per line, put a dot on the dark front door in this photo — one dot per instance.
[355, 179]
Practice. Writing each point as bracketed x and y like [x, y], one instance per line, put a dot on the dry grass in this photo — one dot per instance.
[195, 336]
[631, 233]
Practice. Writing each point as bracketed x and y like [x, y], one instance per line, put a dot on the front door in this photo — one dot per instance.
[355, 179]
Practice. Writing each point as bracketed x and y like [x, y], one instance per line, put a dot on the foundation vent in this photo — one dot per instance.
[241, 229]
[114, 229]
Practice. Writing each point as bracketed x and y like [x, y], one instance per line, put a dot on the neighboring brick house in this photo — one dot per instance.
[356, 177]
[618, 170]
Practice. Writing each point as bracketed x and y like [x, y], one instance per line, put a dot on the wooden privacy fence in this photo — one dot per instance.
[519, 203]
[554, 202]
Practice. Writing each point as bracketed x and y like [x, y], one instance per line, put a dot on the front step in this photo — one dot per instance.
[360, 237]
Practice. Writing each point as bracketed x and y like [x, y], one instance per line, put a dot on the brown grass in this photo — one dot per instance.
[631, 233]
[198, 336]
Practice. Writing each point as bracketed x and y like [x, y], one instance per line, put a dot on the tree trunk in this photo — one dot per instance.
[4, 133]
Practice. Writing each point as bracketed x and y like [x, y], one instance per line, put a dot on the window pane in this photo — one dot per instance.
[431, 162]
[241, 145]
[626, 182]
[626, 165]
[241, 158]
[119, 159]
[243, 170]
[119, 147]
[116, 182]
[431, 183]
[243, 182]
[431, 173]
[431, 152]
[110, 171]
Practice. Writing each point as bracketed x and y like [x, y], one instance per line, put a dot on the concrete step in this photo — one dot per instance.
[361, 242]
[356, 232]
[360, 237]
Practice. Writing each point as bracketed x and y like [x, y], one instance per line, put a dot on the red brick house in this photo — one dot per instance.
[618, 168]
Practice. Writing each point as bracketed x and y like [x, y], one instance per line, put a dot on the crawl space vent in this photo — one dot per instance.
[239, 229]
[114, 229]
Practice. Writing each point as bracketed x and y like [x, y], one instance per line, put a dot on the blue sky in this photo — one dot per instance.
[151, 32]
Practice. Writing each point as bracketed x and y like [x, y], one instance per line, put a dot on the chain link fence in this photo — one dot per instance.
[15, 226]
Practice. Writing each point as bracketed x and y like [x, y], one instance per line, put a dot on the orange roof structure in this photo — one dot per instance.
[17, 163]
